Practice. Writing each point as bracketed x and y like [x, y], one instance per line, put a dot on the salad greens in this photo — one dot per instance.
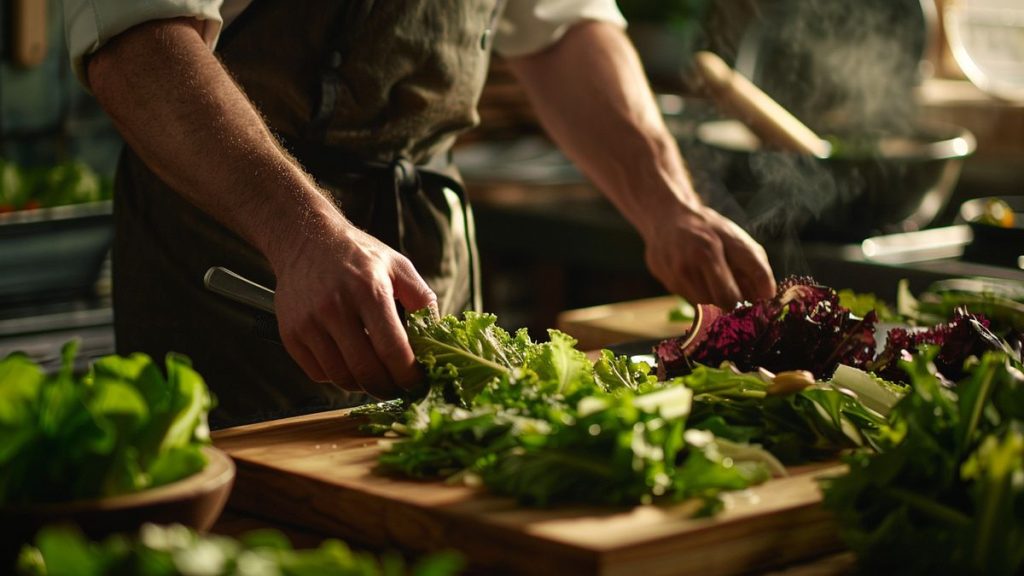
[802, 327]
[543, 423]
[945, 494]
[999, 301]
[861, 303]
[71, 182]
[812, 422]
[175, 550]
[121, 427]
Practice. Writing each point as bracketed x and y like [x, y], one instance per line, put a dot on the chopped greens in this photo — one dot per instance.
[175, 550]
[121, 427]
[541, 422]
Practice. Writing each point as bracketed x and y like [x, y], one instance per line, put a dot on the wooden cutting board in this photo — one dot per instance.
[317, 472]
[600, 326]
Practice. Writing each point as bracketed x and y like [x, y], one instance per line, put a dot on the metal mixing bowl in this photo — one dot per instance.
[871, 184]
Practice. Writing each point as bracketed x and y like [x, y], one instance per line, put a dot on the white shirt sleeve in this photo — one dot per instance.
[89, 24]
[529, 26]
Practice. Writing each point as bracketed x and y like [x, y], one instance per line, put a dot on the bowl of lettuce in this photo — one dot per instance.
[56, 227]
[122, 444]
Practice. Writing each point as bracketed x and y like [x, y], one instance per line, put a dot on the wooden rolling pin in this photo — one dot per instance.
[772, 123]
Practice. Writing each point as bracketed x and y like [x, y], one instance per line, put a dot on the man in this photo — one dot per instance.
[308, 153]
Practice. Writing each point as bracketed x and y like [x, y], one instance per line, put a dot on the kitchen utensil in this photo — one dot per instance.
[919, 246]
[242, 290]
[995, 244]
[772, 123]
[879, 183]
[28, 32]
[196, 501]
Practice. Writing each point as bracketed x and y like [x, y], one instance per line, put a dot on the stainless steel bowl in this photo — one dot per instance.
[895, 182]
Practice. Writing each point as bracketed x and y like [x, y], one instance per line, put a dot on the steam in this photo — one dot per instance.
[846, 68]
[844, 64]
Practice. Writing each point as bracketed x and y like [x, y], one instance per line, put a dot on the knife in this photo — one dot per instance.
[237, 288]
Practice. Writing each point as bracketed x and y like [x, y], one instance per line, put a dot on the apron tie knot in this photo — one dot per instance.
[405, 173]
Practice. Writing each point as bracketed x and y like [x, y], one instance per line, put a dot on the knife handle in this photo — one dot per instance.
[222, 281]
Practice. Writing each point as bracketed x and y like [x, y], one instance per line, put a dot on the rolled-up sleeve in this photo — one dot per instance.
[89, 24]
[528, 26]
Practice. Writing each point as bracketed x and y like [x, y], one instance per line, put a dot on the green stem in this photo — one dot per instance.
[929, 507]
[979, 405]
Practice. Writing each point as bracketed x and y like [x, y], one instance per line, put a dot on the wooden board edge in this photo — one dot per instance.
[389, 525]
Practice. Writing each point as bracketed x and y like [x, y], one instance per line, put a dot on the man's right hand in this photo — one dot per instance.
[181, 112]
[335, 302]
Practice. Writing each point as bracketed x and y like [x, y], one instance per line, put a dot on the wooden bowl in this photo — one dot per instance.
[195, 501]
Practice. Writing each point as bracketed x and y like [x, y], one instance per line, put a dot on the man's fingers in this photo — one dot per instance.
[353, 344]
[327, 355]
[749, 263]
[391, 344]
[755, 280]
[306, 360]
[721, 284]
[411, 290]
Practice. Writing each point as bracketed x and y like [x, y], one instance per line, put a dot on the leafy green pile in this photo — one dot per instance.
[119, 428]
[946, 494]
[178, 551]
[543, 423]
[72, 182]
[812, 422]
[999, 301]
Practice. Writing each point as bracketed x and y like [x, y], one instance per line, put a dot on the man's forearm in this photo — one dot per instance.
[593, 98]
[181, 112]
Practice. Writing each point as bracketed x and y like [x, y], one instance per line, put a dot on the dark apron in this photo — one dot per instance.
[365, 95]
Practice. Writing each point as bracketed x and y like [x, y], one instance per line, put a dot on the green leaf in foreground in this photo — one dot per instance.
[948, 496]
[176, 550]
[118, 428]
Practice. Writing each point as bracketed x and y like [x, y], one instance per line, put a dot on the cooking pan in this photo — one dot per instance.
[870, 184]
[996, 243]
